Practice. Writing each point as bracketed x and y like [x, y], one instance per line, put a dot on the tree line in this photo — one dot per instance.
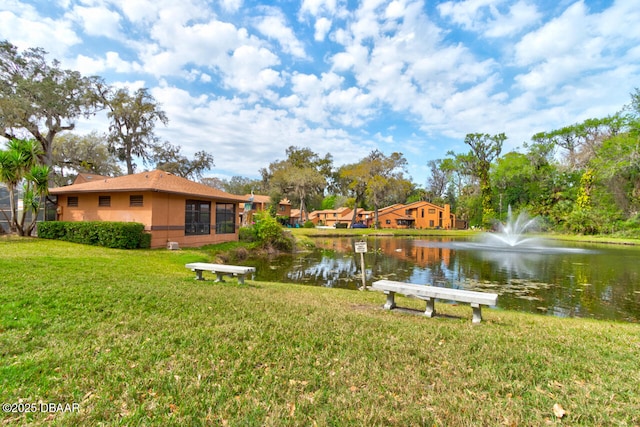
[582, 178]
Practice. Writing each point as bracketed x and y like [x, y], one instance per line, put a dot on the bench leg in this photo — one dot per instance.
[477, 313]
[219, 277]
[241, 279]
[431, 307]
[199, 275]
[390, 300]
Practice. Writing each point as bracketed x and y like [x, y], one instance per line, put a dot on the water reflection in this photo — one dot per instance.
[582, 281]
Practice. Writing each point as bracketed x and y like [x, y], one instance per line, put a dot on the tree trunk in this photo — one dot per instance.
[14, 210]
[355, 213]
[303, 210]
[129, 160]
[375, 217]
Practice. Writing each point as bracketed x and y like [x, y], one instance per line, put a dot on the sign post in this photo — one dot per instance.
[361, 248]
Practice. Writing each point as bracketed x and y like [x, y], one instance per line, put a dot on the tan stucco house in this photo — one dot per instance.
[173, 209]
[331, 217]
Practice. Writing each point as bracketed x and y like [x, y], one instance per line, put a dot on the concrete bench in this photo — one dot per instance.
[220, 270]
[430, 293]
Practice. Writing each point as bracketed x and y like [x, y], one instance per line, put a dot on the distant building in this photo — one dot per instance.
[257, 203]
[331, 217]
[419, 215]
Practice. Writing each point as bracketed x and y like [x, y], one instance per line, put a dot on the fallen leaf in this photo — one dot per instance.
[558, 410]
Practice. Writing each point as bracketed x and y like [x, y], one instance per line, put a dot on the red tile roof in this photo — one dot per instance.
[157, 180]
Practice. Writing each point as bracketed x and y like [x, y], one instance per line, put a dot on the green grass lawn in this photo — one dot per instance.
[132, 339]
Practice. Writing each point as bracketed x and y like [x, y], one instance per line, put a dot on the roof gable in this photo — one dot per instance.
[88, 177]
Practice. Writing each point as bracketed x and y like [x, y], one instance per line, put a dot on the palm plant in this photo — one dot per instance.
[36, 189]
[10, 176]
[17, 163]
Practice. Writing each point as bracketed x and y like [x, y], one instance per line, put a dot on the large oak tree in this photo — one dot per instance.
[40, 99]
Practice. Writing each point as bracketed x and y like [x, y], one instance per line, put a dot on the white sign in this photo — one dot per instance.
[361, 247]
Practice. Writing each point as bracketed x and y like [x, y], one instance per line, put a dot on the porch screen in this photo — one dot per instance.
[225, 218]
[197, 218]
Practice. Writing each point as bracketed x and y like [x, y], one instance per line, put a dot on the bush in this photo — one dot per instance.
[121, 235]
[309, 224]
[247, 234]
[270, 233]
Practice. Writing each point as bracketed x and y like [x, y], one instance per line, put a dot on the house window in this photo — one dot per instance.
[422, 213]
[135, 200]
[225, 218]
[72, 201]
[104, 201]
[388, 222]
[432, 211]
[197, 218]
[431, 224]
[282, 208]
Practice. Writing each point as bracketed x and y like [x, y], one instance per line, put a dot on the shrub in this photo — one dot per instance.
[270, 233]
[247, 234]
[309, 224]
[121, 235]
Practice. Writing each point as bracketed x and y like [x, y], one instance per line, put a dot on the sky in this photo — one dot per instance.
[244, 80]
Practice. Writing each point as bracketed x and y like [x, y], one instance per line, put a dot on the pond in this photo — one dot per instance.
[591, 281]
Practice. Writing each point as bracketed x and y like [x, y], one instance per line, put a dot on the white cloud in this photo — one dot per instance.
[520, 16]
[577, 46]
[138, 11]
[111, 62]
[395, 10]
[250, 70]
[25, 28]
[558, 37]
[322, 28]
[219, 46]
[243, 139]
[97, 21]
[318, 7]
[273, 25]
[464, 13]
[491, 18]
[231, 5]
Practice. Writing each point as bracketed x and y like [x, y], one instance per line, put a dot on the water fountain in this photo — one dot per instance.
[510, 237]
[513, 232]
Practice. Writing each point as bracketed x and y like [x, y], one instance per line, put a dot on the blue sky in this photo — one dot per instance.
[244, 80]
